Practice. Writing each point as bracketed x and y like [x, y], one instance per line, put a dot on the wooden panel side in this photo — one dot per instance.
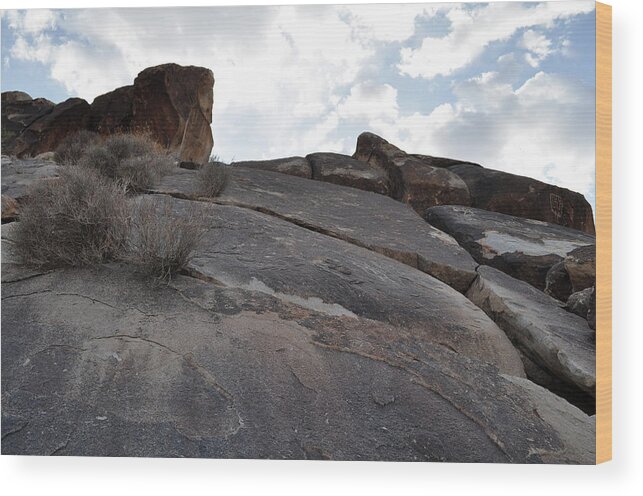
[603, 232]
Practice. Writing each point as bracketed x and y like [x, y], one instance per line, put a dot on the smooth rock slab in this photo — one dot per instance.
[346, 171]
[556, 340]
[523, 248]
[19, 174]
[102, 363]
[366, 219]
[250, 250]
[293, 166]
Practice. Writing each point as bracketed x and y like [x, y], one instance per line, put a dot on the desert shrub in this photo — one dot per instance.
[135, 159]
[80, 218]
[213, 178]
[73, 146]
[163, 241]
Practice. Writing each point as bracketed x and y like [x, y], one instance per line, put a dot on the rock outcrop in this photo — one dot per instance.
[523, 248]
[362, 218]
[17, 177]
[556, 340]
[412, 180]
[44, 133]
[583, 303]
[525, 197]
[170, 103]
[346, 171]
[580, 264]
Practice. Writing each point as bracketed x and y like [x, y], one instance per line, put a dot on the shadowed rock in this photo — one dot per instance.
[18, 111]
[557, 283]
[293, 166]
[523, 248]
[173, 104]
[45, 133]
[365, 219]
[525, 197]
[583, 304]
[580, 264]
[197, 370]
[558, 341]
[412, 180]
[112, 112]
[346, 171]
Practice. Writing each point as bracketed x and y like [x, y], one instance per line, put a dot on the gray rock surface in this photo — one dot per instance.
[583, 304]
[363, 218]
[523, 248]
[253, 251]
[19, 174]
[346, 171]
[557, 283]
[293, 166]
[558, 341]
[101, 363]
[580, 264]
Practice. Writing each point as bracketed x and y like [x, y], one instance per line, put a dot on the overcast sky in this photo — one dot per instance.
[507, 85]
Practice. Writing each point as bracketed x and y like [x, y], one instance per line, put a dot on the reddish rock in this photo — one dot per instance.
[412, 180]
[44, 133]
[525, 197]
[112, 112]
[174, 105]
[346, 171]
[18, 111]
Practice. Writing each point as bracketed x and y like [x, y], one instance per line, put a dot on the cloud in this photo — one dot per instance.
[538, 45]
[473, 29]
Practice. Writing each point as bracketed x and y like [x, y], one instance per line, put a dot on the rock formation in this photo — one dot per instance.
[170, 103]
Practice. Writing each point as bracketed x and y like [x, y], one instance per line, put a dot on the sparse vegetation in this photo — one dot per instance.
[162, 243]
[213, 178]
[134, 159]
[72, 148]
[80, 218]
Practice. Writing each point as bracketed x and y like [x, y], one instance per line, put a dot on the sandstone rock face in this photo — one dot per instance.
[346, 171]
[412, 180]
[556, 340]
[174, 104]
[198, 370]
[580, 264]
[18, 111]
[365, 219]
[523, 248]
[525, 197]
[293, 166]
[112, 112]
[44, 133]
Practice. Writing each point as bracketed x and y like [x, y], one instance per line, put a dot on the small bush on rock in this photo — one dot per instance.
[72, 147]
[213, 178]
[162, 242]
[80, 218]
[135, 159]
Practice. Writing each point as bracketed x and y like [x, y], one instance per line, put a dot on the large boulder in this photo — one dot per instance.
[557, 283]
[112, 112]
[556, 340]
[173, 104]
[360, 217]
[100, 362]
[525, 197]
[346, 171]
[293, 166]
[583, 304]
[18, 111]
[45, 133]
[580, 264]
[412, 179]
[523, 248]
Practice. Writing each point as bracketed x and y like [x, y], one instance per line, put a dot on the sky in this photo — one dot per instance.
[508, 85]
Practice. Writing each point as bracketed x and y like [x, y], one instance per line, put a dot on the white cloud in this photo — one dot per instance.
[538, 45]
[369, 101]
[32, 21]
[473, 29]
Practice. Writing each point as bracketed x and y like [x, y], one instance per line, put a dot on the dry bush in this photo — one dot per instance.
[80, 218]
[213, 178]
[73, 146]
[135, 159]
[162, 242]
